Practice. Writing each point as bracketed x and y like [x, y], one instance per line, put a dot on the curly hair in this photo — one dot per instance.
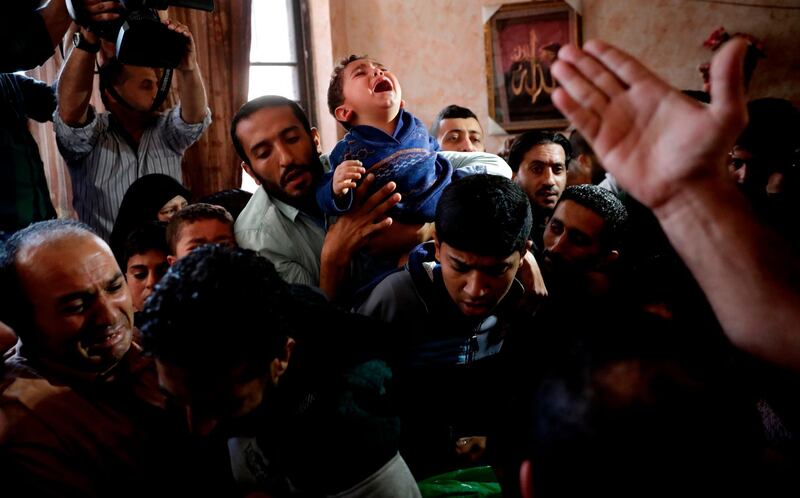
[605, 204]
[216, 308]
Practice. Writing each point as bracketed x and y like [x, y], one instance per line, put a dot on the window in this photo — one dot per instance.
[279, 51]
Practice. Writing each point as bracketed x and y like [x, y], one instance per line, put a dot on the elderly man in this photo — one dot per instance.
[81, 414]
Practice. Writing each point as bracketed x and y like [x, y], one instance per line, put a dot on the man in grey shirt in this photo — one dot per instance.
[106, 152]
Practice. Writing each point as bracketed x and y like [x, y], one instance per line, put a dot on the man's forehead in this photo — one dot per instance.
[545, 150]
[451, 124]
[268, 123]
[68, 261]
[575, 214]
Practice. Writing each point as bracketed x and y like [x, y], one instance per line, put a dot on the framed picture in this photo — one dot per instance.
[522, 41]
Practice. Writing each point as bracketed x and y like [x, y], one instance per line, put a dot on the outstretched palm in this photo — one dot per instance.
[649, 135]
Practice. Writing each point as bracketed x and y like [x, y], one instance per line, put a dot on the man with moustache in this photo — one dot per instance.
[582, 240]
[80, 413]
[539, 162]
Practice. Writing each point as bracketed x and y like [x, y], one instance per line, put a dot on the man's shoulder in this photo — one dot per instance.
[260, 217]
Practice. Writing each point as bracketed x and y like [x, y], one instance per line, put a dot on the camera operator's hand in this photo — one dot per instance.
[194, 104]
[189, 61]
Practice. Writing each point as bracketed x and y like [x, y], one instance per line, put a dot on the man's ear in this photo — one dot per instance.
[315, 138]
[436, 245]
[344, 114]
[402, 104]
[279, 365]
[171, 259]
[247, 169]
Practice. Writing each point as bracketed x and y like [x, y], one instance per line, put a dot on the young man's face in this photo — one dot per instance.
[542, 174]
[202, 232]
[284, 158]
[222, 394]
[475, 283]
[572, 239]
[82, 307]
[143, 273]
[461, 135]
[210, 400]
[371, 93]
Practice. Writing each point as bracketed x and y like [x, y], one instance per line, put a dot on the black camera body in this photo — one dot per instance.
[141, 39]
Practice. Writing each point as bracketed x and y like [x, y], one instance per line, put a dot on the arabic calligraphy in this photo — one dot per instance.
[530, 72]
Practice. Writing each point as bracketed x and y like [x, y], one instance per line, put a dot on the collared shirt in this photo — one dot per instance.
[289, 238]
[103, 164]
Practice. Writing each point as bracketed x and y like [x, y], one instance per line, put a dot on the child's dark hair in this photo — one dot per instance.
[336, 85]
[149, 237]
[192, 213]
[484, 214]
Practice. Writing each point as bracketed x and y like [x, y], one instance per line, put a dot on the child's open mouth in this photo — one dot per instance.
[384, 85]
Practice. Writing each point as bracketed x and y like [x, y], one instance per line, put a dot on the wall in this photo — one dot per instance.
[436, 46]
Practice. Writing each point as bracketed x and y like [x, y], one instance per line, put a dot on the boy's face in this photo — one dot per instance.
[202, 232]
[371, 93]
[476, 283]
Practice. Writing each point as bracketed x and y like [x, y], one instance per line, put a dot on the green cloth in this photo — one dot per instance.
[472, 482]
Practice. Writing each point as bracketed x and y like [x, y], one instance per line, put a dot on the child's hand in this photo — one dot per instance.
[346, 175]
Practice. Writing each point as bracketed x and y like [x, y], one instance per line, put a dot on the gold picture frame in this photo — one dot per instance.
[522, 41]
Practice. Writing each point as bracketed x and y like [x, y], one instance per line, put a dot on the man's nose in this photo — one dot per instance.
[105, 310]
[476, 285]
[549, 177]
[466, 145]
[284, 155]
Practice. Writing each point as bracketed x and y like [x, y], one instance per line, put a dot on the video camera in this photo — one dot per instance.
[141, 39]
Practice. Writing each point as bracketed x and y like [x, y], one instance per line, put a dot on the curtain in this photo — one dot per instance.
[223, 54]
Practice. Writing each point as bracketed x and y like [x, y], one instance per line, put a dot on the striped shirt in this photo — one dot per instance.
[103, 164]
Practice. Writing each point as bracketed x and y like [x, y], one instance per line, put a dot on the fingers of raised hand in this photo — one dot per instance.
[579, 87]
[727, 89]
[584, 119]
[625, 68]
[593, 70]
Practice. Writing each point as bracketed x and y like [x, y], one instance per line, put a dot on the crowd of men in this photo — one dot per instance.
[613, 311]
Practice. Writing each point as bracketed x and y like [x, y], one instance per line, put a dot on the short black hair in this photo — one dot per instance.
[525, 142]
[484, 214]
[15, 309]
[451, 112]
[336, 85]
[192, 213]
[264, 102]
[233, 200]
[148, 237]
[605, 204]
[218, 307]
